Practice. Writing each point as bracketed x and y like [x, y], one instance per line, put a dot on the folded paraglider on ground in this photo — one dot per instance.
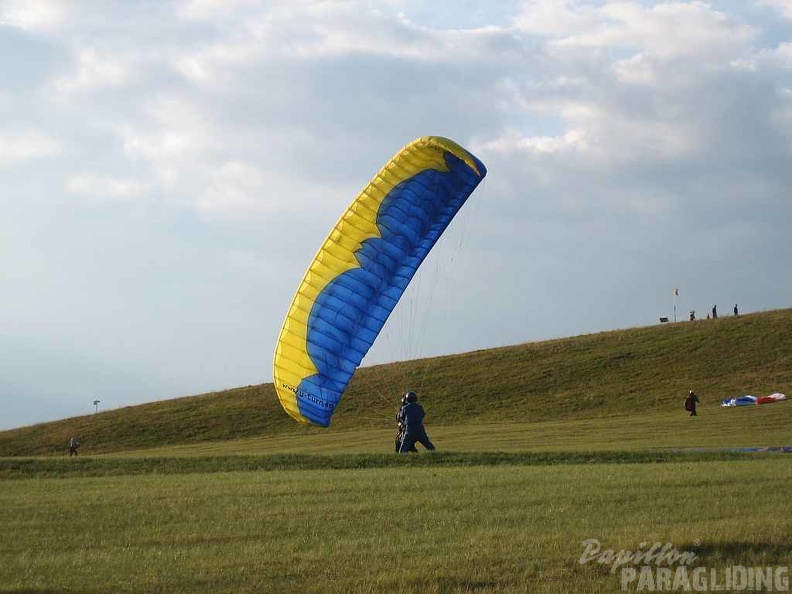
[749, 400]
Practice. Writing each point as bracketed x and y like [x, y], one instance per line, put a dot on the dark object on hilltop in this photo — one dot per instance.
[74, 445]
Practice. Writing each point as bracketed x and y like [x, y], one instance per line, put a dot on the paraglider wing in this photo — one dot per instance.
[746, 400]
[750, 400]
[363, 268]
[769, 399]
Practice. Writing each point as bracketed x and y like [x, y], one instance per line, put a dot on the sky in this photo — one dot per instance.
[168, 169]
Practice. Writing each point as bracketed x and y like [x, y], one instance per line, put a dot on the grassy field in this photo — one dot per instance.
[541, 447]
[714, 428]
[458, 528]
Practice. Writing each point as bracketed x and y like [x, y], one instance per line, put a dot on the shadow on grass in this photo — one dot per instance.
[448, 585]
[741, 553]
[32, 591]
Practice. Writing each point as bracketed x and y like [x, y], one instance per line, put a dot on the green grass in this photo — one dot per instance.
[502, 528]
[50, 467]
[542, 446]
[714, 428]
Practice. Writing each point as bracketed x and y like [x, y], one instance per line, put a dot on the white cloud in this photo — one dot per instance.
[633, 136]
[556, 18]
[635, 70]
[240, 191]
[784, 7]
[27, 145]
[41, 15]
[160, 146]
[172, 130]
[676, 29]
[212, 10]
[305, 31]
[780, 57]
[105, 188]
[669, 29]
[192, 159]
[595, 134]
[94, 70]
[236, 188]
[745, 64]
[572, 140]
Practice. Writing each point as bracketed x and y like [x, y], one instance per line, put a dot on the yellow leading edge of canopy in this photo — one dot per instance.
[292, 363]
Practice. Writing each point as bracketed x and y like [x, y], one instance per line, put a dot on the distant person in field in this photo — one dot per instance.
[692, 315]
[714, 312]
[412, 415]
[736, 313]
[690, 403]
[400, 423]
[74, 445]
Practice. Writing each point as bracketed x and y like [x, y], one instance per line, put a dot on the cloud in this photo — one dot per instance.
[41, 15]
[635, 70]
[572, 140]
[231, 124]
[235, 187]
[212, 10]
[260, 106]
[779, 57]
[556, 18]
[669, 29]
[300, 32]
[172, 139]
[28, 145]
[94, 70]
[105, 188]
[782, 6]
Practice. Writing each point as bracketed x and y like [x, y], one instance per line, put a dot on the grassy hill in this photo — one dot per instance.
[642, 374]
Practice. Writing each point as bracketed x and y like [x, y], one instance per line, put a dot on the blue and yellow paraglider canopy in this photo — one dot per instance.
[363, 268]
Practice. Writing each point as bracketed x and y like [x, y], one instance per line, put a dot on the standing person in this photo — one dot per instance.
[73, 445]
[736, 313]
[690, 403]
[414, 432]
[714, 311]
[400, 423]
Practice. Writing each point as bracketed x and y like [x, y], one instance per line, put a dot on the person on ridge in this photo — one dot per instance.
[690, 403]
[74, 444]
[412, 415]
